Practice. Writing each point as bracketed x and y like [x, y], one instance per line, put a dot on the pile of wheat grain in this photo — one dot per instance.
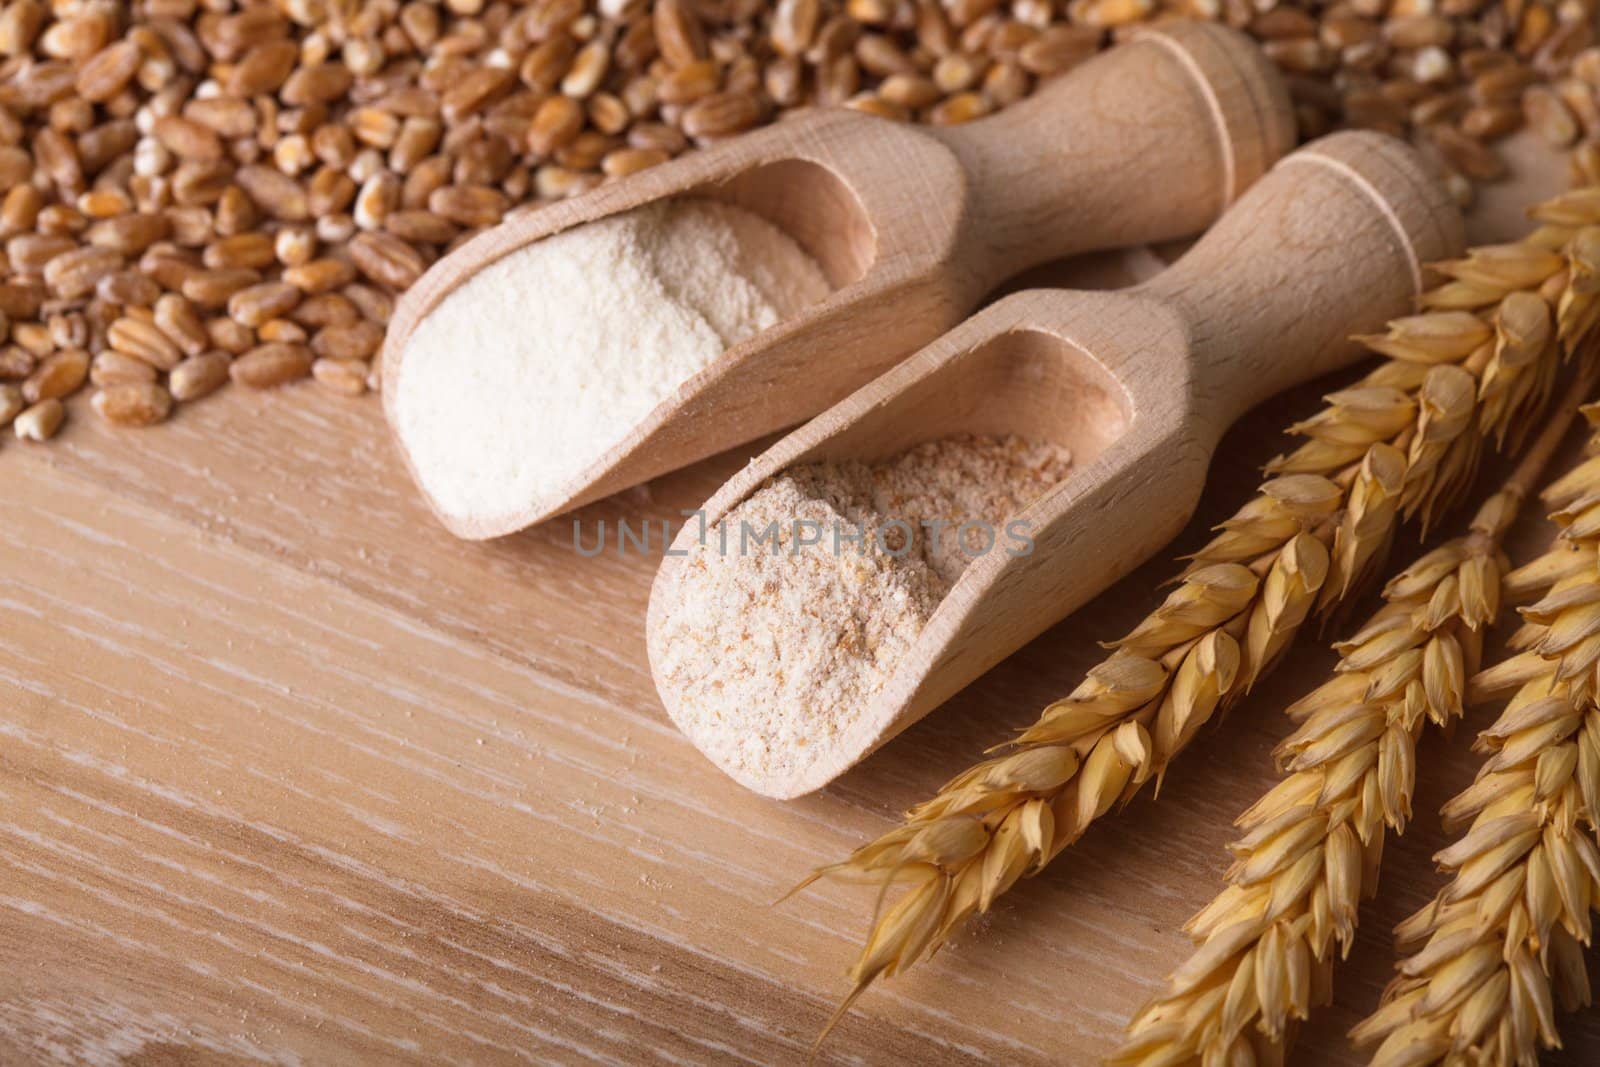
[198, 192]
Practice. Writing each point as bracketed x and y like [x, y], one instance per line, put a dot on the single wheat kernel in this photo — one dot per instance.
[133, 403]
[39, 422]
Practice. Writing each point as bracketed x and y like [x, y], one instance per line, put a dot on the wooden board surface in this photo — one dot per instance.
[287, 774]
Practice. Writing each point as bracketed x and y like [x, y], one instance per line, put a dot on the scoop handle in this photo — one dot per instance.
[1146, 142]
[1334, 240]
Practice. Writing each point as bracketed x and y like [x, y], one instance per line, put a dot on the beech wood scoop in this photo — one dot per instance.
[912, 226]
[1139, 384]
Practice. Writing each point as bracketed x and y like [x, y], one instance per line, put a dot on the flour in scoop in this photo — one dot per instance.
[543, 360]
[769, 649]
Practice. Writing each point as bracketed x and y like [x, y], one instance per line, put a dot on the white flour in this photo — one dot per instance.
[546, 358]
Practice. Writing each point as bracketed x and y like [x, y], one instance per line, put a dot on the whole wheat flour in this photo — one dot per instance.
[792, 612]
[539, 363]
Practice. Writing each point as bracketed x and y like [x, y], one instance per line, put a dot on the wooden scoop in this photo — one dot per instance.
[1138, 384]
[912, 226]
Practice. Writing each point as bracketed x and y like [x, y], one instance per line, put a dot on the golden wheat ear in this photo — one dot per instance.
[1500, 946]
[1312, 845]
[1404, 441]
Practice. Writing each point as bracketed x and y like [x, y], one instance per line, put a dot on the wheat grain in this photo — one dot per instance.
[38, 422]
[1404, 440]
[203, 149]
[1500, 946]
[1313, 844]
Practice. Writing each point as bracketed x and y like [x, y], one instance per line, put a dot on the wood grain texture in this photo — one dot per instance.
[289, 775]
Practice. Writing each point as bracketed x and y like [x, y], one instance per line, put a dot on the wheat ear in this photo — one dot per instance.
[1312, 845]
[1479, 363]
[1501, 944]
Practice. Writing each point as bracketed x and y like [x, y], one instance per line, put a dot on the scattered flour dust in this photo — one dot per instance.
[549, 356]
[769, 651]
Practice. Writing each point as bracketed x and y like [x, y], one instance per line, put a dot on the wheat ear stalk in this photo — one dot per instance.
[1501, 945]
[1312, 845]
[1404, 440]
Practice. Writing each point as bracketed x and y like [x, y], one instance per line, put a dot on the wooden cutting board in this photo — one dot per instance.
[289, 774]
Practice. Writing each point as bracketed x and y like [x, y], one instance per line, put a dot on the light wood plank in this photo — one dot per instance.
[288, 773]
[231, 754]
